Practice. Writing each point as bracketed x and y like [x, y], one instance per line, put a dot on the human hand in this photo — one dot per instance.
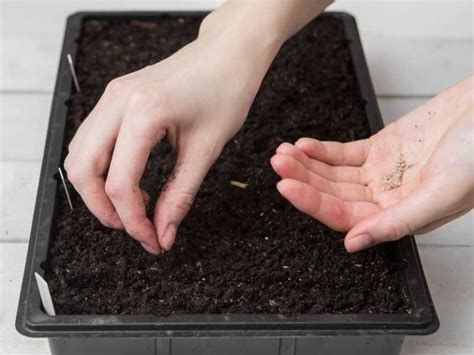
[197, 98]
[411, 177]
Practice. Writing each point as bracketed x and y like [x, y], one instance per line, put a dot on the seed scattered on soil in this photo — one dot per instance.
[241, 185]
[394, 180]
[272, 303]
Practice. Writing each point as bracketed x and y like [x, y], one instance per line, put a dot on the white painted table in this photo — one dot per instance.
[414, 49]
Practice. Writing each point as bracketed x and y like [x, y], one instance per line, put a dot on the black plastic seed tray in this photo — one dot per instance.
[208, 334]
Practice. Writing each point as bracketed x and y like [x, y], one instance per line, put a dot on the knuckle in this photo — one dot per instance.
[74, 175]
[71, 144]
[116, 86]
[334, 174]
[142, 98]
[139, 99]
[152, 107]
[68, 164]
[210, 149]
[162, 110]
[339, 214]
[397, 230]
[184, 201]
[332, 188]
[113, 188]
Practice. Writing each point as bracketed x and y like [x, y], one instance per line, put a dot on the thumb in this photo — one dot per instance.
[425, 205]
[177, 196]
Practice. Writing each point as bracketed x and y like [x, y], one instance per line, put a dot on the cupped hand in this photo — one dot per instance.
[411, 177]
[197, 98]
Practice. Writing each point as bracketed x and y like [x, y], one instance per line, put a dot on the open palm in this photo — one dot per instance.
[411, 177]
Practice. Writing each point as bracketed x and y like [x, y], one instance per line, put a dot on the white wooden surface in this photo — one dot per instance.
[414, 50]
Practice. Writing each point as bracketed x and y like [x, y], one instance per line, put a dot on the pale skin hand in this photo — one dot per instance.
[197, 98]
[342, 184]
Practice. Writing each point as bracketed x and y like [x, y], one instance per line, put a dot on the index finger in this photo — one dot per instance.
[335, 153]
[129, 159]
[330, 210]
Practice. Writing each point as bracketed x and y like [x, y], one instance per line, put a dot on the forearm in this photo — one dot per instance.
[252, 31]
[265, 20]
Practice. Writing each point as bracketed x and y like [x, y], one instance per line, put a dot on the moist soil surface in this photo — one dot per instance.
[240, 250]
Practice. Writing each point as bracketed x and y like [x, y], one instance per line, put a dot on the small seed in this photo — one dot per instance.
[241, 185]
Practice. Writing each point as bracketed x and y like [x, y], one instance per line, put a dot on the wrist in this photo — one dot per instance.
[239, 45]
[272, 21]
[235, 23]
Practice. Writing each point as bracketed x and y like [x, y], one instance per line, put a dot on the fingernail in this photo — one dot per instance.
[358, 242]
[149, 248]
[169, 236]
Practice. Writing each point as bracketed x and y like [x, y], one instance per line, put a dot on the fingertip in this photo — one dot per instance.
[286, 187]
[358, 237]
[150, 249]
[358, 242]
[305, 143]
[284, 148]
[169, 237]
[281, 186]
[287, 150]
[277, 162]
[301, 141]
[274, 161]
[140, 228]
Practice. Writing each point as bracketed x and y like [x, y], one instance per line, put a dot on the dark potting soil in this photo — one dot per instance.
[238, 250]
